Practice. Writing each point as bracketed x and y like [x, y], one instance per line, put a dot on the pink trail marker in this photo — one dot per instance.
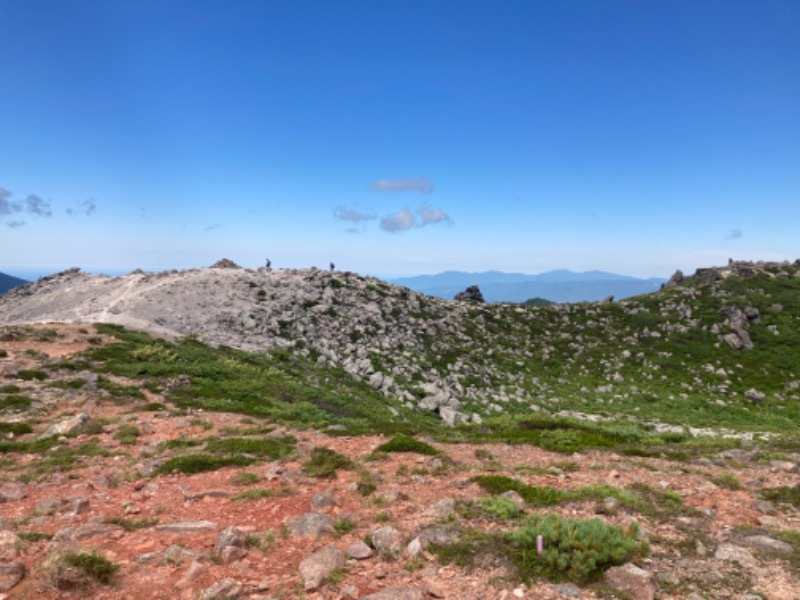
[539, 544]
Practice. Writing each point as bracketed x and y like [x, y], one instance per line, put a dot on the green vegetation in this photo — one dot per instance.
[324, 463]
[199, 463]
[343, 526]
[15, 428]
[573, 549]
[281, 386]
[132, 524]
[404, 443]
[3, 353]
[577, 550]
[254, 494]
[31, 374]
[15, 402]
[639, 498]
[272, 448]
[785, 494]
[127, 434]
[246, 478]
[727, 481]
[92, 564]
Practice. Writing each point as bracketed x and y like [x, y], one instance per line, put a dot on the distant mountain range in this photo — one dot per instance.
[560, 285]
[7, 282]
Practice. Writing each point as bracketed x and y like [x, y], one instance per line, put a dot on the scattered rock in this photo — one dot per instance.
[312, 523]
[764, 543]
[629, 578]
[10, 575]
[230, 536]
[386, 541]
[398, 592]
[69, 426]
[736, 554]
[186, 526]
[224, 589]
[359, 550]
[315, 569]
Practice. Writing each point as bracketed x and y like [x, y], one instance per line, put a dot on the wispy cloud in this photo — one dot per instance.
[213, 227]
[735, 234]
[15, 224]
[431, 216]
[37, 205]
[422, 185]
[83, 207]
[404, 219]
[352, 215]
[7, 207]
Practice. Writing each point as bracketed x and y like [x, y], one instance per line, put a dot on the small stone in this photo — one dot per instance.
[359, 550]
[629, 578]
[315, 569]
[230, 554]
[736, 554]
[323, 500]
[398, 592]
[230, 536]
[414, 547]
[8, 545]
[224, 589]
[12, 491]
[764, 543]
[177, 554]
[386, 541]
[570, 590]
[10, 575]
[80, 506]
[186, 526]
[312, 523]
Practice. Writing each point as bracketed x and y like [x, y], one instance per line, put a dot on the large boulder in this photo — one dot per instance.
[471, 294]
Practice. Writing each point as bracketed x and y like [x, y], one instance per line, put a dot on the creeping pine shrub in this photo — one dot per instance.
[573, 549]
[324, 462]
[92, 564]
[405, 443]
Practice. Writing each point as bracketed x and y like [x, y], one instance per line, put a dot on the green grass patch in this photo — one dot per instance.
[324, 462]
[273, 448]
[15, 402]
[199, 463]
[15, 428]
[784, 494]
[727, 481]
[132, 524]
[254, 494]
[405, 443]
[127, 434]
[31, 374]
[246, 478]
[92, 564]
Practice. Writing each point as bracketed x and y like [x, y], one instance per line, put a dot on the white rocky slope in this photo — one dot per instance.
[341, 318]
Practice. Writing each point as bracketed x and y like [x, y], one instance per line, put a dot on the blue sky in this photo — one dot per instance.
[399, 137]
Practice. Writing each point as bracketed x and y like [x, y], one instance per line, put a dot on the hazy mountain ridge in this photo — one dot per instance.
[714, 334]
[560, 285]
[8, 282]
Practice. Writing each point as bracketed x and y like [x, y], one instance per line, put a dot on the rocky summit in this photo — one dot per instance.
[247, 433]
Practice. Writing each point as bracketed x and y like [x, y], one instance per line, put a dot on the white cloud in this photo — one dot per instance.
[402, 220]
[344, 213]
[431, 216]
[422, 185]
[38, 206]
